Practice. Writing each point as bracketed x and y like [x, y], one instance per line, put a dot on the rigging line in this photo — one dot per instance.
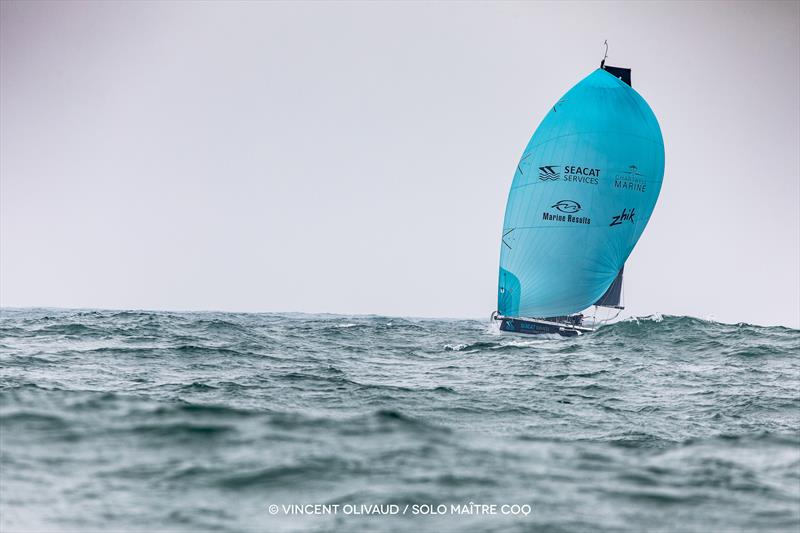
[611, 318]
[504, 237]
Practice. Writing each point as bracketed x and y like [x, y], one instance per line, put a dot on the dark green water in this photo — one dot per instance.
[134, 421]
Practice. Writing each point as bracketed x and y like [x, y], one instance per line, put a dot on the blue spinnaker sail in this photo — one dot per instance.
[582, 194]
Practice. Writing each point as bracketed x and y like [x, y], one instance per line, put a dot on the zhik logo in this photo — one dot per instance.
[549, 173]
[622, 217]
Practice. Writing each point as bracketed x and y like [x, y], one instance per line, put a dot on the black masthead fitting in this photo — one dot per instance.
[618, 72]
[603, 62]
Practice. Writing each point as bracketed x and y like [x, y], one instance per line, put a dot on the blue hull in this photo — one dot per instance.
[532, 326]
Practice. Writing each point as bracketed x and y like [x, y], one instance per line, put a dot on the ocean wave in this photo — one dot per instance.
[226, 413]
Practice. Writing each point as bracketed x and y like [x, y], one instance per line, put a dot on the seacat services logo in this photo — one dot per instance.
[630, 180]
[578, 174]
[573, 173]
[568, 207]
[549, 173]
[622, 217]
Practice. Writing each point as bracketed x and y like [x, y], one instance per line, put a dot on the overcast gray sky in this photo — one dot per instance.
[356, 157]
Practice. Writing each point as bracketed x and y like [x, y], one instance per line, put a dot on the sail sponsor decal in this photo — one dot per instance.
[566, 209]
[549, 173]
[580, 174]
[626, 215]
[630, 180]
[567, 206]
[573, 173]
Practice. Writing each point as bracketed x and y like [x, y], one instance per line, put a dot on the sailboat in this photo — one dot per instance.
[582, 194]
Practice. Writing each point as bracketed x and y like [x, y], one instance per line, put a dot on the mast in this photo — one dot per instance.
[613, 295]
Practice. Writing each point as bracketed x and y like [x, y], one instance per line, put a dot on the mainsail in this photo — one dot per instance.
[613, 296]
[582, 194]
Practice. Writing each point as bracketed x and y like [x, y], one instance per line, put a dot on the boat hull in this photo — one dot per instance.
[532, 326]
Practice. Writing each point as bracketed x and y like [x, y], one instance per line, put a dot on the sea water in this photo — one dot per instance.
[158, 421]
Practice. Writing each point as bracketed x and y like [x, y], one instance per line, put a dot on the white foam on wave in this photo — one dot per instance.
[655, 317]
[493, 328]
[455, 347]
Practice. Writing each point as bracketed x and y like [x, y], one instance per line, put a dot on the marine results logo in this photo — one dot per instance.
[568, 207]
